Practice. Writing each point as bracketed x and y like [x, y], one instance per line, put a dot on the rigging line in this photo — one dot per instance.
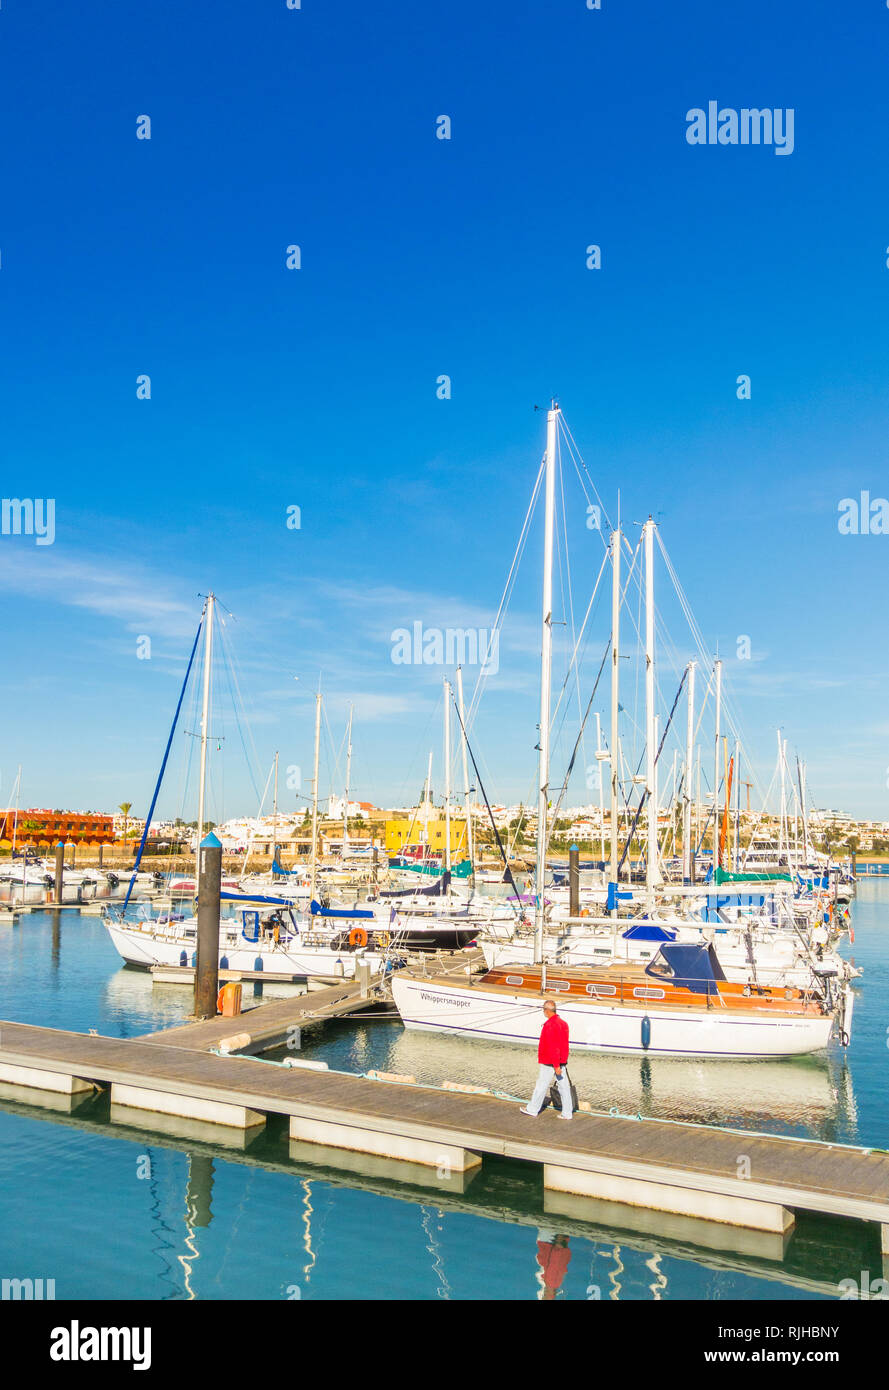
[732, 715]
[644, 797]
[252, 835]
[234, 690]
[497, 839]
[570, 768]
[573, 660]
[163, 768]
[575, 451]
[510, 582]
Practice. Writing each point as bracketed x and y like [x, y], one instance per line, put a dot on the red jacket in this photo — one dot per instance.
[552, 1050]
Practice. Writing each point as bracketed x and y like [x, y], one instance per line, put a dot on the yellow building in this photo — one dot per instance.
[410, 831]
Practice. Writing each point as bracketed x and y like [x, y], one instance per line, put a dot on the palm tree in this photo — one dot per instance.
[124, 809]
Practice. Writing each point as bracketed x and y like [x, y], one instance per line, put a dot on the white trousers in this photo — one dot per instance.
[545, 1079]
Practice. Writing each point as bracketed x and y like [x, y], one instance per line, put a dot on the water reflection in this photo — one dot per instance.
[662, 1257]
[807, 1094]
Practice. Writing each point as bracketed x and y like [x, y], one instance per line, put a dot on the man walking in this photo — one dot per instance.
[552, 1054]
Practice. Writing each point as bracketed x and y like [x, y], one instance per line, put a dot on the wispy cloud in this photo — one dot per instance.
[133, 595]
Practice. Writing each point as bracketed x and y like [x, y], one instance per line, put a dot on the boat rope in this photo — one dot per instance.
[499, 842]
[163, 769]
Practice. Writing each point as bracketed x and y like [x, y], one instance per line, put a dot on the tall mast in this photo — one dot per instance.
[782, 830]
[687, 851]
[616, 541]
[601, 788]
[15, 823]
[275, 804]
[205, 715]
[469, 844]
[546, 660]
[736, 857]
[426, 792]
[447, 771]
[652, 867]
[315, 795]
[348, 779]
[717, 667]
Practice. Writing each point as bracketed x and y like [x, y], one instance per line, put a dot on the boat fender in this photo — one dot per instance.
[219, 998]
[646, 1033]
[183, 958]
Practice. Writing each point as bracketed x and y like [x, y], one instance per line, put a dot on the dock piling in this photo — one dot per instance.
[206, 982]
[60, 871]
[573, 881]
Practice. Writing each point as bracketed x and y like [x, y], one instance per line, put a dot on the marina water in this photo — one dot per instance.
[114, 1212]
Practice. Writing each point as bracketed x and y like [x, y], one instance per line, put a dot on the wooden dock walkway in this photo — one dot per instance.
[724, 1176]
[272, 1024]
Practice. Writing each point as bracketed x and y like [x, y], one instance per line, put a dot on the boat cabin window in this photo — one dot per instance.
[597, 990]
[556, 985]
[515, 979]
[641, 993]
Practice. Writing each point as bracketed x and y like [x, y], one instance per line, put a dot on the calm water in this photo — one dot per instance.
[112, 1212]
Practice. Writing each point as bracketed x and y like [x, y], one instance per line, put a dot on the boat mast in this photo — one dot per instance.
[687, 852]
[469, 844]
[652, 868]
[426, 793]
[348, 779]
[782, 833]
[275, 807]
[314, 872]
[736, 857]
[15, 822]
[447, 771]
[717, 667]
[205, 714]
[599, 760]
[546, 658]
[616, 541]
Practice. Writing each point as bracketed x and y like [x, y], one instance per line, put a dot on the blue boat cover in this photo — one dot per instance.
[255, 898]
[647, 931]
[318, 911]
[432, 890]
[694, 967]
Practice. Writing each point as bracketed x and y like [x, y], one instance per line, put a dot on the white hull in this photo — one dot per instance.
[598, 1027]
[141, 946]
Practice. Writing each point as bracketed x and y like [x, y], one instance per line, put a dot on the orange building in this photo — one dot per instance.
[38, 826]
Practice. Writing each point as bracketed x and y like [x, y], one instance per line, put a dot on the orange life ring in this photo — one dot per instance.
[357, 937]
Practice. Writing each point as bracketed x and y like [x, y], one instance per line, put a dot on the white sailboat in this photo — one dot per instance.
[680, 1003]
[266, 936]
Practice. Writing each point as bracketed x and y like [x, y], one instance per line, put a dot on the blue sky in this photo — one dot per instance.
[316, 388]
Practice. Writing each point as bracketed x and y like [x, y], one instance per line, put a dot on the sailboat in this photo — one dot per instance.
[266, 935]
[679, 1003]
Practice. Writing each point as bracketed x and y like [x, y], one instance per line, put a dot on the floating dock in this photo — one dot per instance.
[720, 1178]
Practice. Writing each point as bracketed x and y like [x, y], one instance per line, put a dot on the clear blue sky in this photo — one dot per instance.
[420, 257]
